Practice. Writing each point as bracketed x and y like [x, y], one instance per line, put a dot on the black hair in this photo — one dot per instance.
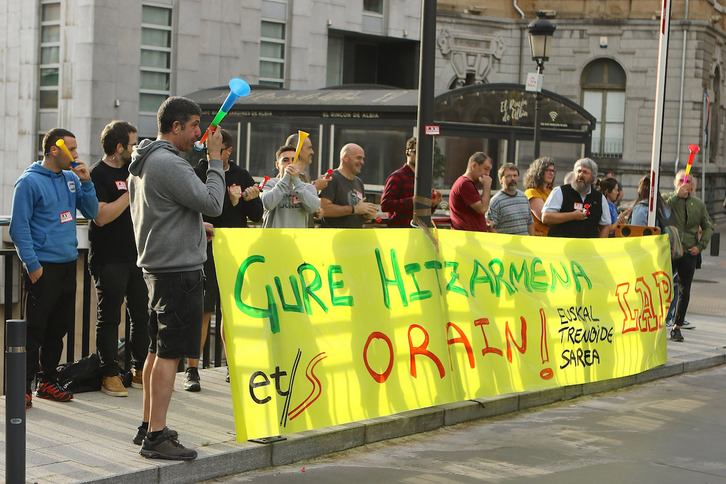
[283, 149]
[54, 135]
[227, 139]
[607, 185]
[114, 133]
[176, 108]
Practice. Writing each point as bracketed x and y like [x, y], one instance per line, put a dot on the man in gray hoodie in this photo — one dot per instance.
[167, 201]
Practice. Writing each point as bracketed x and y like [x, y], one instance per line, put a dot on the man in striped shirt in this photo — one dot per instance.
[509, 211]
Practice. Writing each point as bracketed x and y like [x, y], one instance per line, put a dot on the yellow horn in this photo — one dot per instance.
[62, 145]
[301, 137]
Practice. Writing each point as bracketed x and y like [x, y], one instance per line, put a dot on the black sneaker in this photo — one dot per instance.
[191, 380]
[676, 334]
[141, 435]
[227, 379]
[166, 447]
[52, 391]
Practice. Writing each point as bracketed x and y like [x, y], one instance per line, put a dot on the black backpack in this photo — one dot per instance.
[81, 376]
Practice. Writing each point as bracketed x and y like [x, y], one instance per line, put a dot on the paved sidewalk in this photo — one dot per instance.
[89, 438]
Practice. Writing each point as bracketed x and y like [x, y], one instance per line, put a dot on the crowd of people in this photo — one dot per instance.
[584, 206]
[154, 215]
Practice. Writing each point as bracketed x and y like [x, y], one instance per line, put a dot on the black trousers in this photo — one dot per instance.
[115, 282]
[50, 310]
[686, 266]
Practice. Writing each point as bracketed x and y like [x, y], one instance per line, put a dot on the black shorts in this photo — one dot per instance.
[175, 321]
[211, 289]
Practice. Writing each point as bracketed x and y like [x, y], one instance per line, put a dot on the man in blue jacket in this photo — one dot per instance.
[43, 229]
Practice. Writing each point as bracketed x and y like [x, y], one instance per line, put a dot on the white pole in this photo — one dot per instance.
[665, 25]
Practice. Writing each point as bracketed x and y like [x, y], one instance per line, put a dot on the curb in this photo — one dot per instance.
[314, 443]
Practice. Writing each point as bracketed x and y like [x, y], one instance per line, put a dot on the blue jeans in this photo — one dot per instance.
[175, 322]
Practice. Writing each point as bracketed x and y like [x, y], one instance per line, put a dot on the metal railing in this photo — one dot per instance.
[81, 341]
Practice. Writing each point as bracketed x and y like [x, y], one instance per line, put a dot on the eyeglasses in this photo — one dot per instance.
[411, 151]
[550, 170]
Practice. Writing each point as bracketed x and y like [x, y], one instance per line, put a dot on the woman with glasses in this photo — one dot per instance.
[538, 181]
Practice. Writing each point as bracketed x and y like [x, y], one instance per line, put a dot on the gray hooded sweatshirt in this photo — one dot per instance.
[167, 202]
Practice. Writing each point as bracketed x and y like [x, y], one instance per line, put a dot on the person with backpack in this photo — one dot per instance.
[689, 214]
[639, 216]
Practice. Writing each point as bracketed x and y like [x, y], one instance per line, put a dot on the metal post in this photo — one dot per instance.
[424, 142]
[9, 259]
[537, 102]
[15, 371]
[540, 37]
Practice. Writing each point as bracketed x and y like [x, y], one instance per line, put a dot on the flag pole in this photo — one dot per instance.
[665, 25]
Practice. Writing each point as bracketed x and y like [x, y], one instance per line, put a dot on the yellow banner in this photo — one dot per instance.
[331, 326]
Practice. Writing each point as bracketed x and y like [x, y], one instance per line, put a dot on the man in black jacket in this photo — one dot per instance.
[578, 210]
[241, 204]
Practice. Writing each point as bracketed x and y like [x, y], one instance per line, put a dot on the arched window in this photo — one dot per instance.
[603, 95]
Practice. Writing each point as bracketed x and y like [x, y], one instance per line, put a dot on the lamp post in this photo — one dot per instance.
[540, 42]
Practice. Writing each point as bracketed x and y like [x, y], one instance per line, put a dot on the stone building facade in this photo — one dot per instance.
[81, 63]
[620, 37]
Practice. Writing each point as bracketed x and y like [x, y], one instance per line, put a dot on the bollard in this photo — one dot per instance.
[15, 370]
[715, 244]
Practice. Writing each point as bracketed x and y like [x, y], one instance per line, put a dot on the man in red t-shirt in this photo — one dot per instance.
[466, 205]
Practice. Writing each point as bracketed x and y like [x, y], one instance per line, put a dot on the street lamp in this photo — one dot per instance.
[540, 42]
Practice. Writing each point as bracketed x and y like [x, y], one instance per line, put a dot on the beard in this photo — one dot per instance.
[579, 187]
[126, 156]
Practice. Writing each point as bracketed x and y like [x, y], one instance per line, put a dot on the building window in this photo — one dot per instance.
[272, 53]
[49, 54]
[373, 6]
[603, 95]
[155, 82]
[371, 60]
[373, 19]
